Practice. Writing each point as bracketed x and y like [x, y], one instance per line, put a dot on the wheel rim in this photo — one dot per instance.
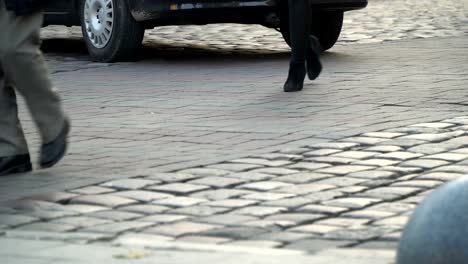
[99, 21]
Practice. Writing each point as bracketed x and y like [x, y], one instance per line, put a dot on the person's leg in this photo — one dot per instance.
[27, 70]
[298, 29]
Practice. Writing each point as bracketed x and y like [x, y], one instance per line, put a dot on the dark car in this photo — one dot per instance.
[113, 29]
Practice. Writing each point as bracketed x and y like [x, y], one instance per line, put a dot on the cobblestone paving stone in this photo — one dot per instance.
[366, 216]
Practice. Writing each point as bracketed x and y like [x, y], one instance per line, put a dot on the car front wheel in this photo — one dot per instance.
[326, 26]
[109, 30]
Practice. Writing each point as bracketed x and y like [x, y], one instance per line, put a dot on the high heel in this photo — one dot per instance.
[314, 66]
[296, 76]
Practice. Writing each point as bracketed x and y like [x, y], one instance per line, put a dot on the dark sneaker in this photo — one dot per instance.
[15, 164]
[53, 152]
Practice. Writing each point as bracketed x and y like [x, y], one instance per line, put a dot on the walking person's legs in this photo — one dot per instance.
[24, 66]
[302, 46]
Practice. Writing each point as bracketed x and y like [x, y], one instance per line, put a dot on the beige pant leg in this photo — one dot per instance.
[24, 66]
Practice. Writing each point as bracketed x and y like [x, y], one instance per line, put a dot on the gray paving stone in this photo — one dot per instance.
[321, 209]
[363, 233]
[341, 181]
[265, 185]
[259, 210]
[427, 184]
[235, 167]
[256, 243]
[316, 245]
[263, 162]
[369, 214]
[374, 174]
[366, 140]
[276, 171]
[303, 177]
[424, 163]
[139, 240]
[315, 229]
[145, 209]
[181, 228]
[74, 237]
[204, 172]
[344, 222]
[321, 152]
[404, 142]
[130, 184]
[221, 194]
[179, 201]
[144, 196]
[106, 200]
[179, 188]
[383, 134]
[51, 227]
[390, 245]
[345, 169]
[353, 154]
[302, 189]
[163, 218]
[433, 148]
[430, 137]
[323, 196]
[49, 214]
[402, 170]
[288, 203]
[203, 239]
[400, 155]
[335, 145]
[252, 176]
[453, 169]
[34, 205]
[232, 203]
[392, 221]
[332, 160]
[352, 189]
[461, 151]
[296, 218]
[200, 210]
[440, 176]
[377, 162]
[80, 221]
[218, 182]
[390, 192]
[284, 236]
[172, 177]
[119, 227]
[85, 208]
[394, 207]
[236, 232]
[384, 148]
[16, 220]
[308, 166]
[351, 202]
[267, 196]
[449, 156]
[93, 190]
[294, 151]
[279, 156]
[227, 219]
[434, 125]
[115, 215]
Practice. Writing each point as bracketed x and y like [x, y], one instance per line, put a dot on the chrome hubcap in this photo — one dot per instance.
[99, 21]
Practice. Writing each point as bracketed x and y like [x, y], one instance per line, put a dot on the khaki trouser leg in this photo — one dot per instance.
[24, 66]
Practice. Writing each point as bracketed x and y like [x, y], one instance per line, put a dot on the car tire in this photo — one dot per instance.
[109, 30]
[326, 26]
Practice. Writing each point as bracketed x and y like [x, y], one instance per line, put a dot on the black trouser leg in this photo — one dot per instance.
[299, 27]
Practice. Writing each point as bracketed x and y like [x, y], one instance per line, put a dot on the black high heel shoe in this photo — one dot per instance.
[314, 66]
[296, 76]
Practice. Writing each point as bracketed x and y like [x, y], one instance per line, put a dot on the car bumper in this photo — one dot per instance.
[145, 10]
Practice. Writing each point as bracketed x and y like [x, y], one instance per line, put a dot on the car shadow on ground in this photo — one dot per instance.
[151, 51]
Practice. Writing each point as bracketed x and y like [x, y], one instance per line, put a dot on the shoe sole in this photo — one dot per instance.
[18, 169]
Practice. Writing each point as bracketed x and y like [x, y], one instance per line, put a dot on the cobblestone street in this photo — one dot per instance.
[196, 153]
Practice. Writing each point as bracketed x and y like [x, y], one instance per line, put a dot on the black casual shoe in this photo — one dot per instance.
[15, 164]
[296, 76]
[53, 152]
[314, 66]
